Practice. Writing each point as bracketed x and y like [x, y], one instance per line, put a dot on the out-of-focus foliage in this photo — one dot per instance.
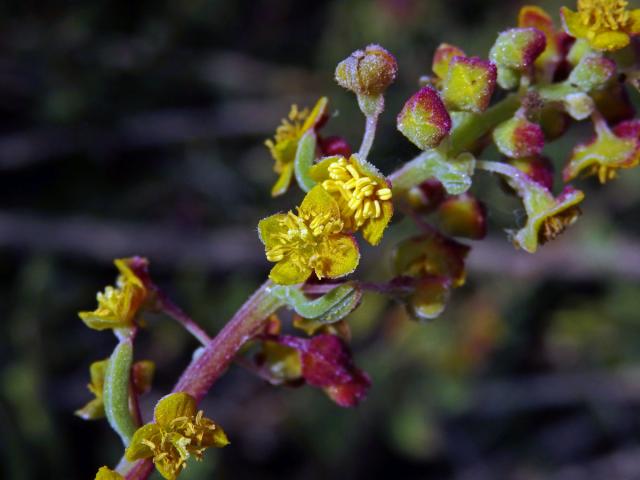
[138, 128]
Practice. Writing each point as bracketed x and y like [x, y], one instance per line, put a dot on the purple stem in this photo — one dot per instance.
[218, 354]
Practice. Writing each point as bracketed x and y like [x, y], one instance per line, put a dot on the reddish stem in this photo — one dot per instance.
[181, 317]
[218, 354]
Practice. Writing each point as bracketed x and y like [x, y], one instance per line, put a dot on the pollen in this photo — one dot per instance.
[603, 14]
[361, 193]
[555, 225]
[300, 233]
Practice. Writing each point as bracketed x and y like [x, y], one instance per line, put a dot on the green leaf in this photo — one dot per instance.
[329, 308]
[116, 391]
[305, 155]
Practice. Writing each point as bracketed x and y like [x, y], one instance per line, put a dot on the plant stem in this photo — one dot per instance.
[204, 370]
[369, 134]
[181, 317]
[218, 354]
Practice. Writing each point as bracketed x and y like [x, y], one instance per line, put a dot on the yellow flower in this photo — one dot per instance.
[285, 143]
[607, 152]
[178, 433]
[362, 193]
[105, 473]
[117, 306]
[142, 374]
[547, 217]
[605, 24]
[95, 408]
[309, 241]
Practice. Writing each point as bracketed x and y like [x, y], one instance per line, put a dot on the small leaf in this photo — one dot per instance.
[116, 391]
[305, 155]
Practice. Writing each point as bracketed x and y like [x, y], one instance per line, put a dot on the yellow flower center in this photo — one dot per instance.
[300, 234]
[600, 15]
[555, 225]
[361, 193]
[291, 127]
[183, 438]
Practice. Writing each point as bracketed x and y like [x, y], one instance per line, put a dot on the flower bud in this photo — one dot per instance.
[442, 58]
[518, 137]
[518, 48]
[367, 72]
[463, 216]
[539, 169]
[578, 105]
[427, 196]
[332, 146]
[592, 73]
[469, 84]
[424, 120]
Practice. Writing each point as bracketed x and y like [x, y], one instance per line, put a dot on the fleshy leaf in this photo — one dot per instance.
[305, 155]
[116, 391]
[329, 308]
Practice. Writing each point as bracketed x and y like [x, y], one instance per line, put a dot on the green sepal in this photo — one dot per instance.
[329, 308]
[116, 391]
[305, 155]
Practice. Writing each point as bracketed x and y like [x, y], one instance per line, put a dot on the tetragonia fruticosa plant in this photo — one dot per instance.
[538, 79]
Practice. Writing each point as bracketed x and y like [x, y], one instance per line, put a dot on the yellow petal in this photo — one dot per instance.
[610, 41]
[318, 201]
[105, 473]
[316, 114]
[173, 406]
[122, 264]
[92, 410]
[288, 272]
[284, 180]
[270, 226]
[101, 320]
[375, 227]
[342, 257]
[97, 372]
[634, 22]
[138, 450]
[573, 23]
[320, 171]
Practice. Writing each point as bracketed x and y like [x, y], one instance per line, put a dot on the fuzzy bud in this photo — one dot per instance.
[539, 169]
[424, 120]
[518, 48]
[442, 58]
[463, 216]
[518, 137]
[367, 72]
[592, 73]
[469, 84]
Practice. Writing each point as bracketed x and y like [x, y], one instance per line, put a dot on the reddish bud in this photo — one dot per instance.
[442, 57]
[469, 84]
[463, 216]
[538, 168]
[332, 146]
[518, 48]
[424, 120]
[427, 196]
[518, 138]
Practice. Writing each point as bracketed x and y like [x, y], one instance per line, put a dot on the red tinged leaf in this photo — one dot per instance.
[327, 363]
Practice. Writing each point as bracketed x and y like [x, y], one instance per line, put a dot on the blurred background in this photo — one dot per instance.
[138, 128]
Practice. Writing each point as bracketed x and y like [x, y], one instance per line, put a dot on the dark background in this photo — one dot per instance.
[138, 127]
